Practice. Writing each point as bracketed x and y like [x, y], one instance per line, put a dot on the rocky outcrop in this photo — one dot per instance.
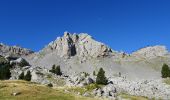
[81, 79]
[81, 45]
[146, 88]
[13, 50]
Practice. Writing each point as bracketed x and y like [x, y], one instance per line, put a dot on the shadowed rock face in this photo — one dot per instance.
[14, 50]
[81, 45]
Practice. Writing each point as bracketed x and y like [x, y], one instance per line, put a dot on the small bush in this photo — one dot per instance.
[101, 79]
[50, 85]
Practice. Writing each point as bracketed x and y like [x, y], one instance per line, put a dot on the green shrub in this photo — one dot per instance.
[101, 79]
[50, 85]
[165, 71]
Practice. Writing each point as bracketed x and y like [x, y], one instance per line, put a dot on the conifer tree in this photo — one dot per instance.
[28, 76]
[101, 79]
[21, 76]
[165, 71]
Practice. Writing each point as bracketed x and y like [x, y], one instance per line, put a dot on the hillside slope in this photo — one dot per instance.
[81, 53]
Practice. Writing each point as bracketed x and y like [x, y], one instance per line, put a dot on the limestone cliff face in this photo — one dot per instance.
[14, 50]
[77, 44]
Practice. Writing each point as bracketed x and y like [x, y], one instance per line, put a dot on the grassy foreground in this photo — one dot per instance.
[31, 91]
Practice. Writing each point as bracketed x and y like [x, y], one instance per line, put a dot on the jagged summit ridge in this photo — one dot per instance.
[13, 50]
[77, 44]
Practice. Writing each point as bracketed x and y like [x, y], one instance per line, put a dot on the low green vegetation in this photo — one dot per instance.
[165, 71]
[86, 89]
[56, 70]
[130, 97]
[101, 78]
[31, 91]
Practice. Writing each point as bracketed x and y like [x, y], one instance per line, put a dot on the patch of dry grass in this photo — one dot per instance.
[31, 91]
[130, 97]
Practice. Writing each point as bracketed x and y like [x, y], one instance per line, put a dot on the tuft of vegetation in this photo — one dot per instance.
[131, 97]
[56, 70]
[165, 71]
[91, 87]
[101, 78]
[28, 76]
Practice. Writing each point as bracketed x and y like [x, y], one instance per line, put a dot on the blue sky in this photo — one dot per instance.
[124, 25]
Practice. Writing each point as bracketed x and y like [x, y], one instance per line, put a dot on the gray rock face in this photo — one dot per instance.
[77, 44]
[13, 50]
[151, 52]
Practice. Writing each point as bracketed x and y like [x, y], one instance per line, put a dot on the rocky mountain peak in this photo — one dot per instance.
[13, 50]
[152, 51]
[82, 45]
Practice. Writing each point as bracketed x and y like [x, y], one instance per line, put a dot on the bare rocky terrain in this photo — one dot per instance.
[80, 52]
[79, 56]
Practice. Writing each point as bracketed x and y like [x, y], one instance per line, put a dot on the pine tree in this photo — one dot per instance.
[101, 79]
[53, 69]
[5, 71]
[21, 76]
[56, 70]
[165, 71]
[28, 76]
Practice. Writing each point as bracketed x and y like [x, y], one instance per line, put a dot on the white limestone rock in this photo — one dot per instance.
[151, 52]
